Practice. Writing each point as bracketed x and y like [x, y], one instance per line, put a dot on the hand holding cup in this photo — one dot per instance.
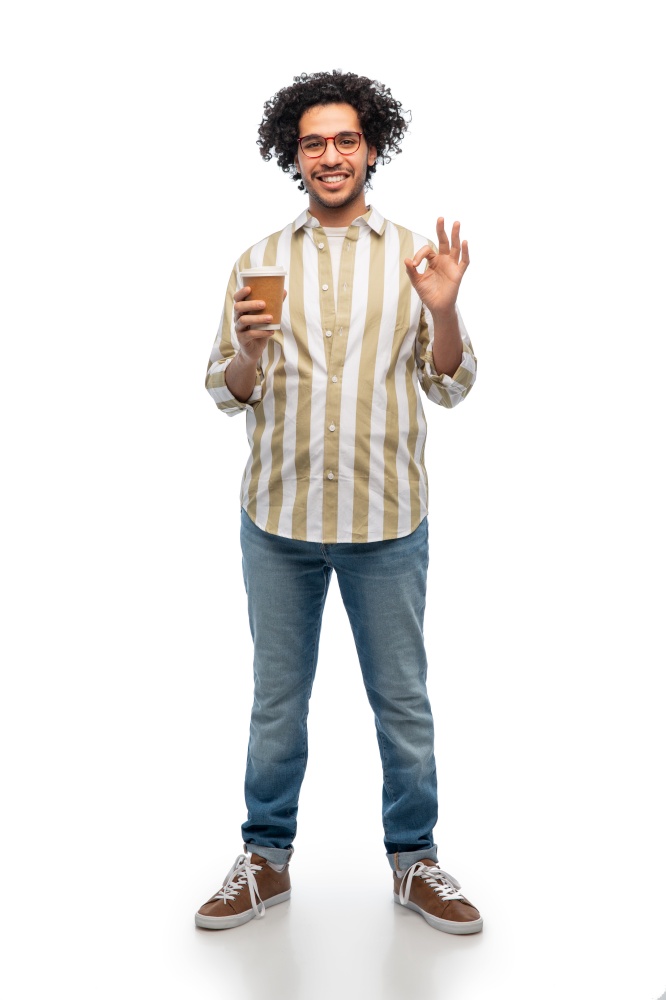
[257, 318]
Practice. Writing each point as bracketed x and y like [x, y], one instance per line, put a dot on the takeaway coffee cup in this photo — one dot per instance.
[267, 284]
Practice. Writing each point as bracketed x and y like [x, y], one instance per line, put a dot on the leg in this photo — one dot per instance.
[383, 587]
[286, 583]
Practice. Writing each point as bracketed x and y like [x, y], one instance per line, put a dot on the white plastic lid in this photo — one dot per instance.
[276, 269]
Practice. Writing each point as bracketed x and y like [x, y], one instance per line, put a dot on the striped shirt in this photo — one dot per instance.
[335, 422]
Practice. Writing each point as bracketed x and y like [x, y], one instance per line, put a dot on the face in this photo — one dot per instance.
[335, 181]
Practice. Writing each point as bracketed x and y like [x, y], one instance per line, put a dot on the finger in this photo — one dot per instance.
[249, 320]
[455, 241]
[465, 256]
[242, 293]
[412, 273]
[253, 305]
[441, 236]
[284, 294]
[425, 253]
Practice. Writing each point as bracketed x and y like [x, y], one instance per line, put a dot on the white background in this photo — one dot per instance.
[131, 182]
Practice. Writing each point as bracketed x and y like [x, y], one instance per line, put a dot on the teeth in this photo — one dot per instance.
[332, 180]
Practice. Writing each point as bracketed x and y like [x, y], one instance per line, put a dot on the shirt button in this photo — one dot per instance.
[331, 476]
[334, 379]
[331, 427]
[328, 333]
[320, 245]
[325, 287]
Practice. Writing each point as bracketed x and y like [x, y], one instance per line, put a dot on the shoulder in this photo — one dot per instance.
[406, 235]
[268, 249]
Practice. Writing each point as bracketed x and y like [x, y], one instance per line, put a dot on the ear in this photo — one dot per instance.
[297, 167]
[372, 155]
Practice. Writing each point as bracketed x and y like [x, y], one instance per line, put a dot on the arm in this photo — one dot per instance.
[234, 378]
[444, 389]
[447, 348]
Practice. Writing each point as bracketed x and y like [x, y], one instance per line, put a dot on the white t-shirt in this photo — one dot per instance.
[336, 238]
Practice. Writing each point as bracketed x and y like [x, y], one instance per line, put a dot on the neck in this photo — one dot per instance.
[342, 216]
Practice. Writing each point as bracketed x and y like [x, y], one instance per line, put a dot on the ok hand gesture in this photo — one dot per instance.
[438, 286]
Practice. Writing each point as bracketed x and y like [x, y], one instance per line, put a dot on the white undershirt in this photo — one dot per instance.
[336, 238]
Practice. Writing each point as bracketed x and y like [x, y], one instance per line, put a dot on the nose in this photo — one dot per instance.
[331, 154]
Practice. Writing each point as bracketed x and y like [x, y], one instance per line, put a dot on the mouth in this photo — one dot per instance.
[332, 180]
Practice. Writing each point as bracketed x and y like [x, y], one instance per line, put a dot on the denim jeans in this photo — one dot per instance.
[383, 586]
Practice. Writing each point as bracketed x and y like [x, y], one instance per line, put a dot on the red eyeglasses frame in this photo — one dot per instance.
[327, 139]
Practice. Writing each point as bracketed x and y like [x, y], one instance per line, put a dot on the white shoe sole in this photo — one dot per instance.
[222, 923]
[448, 926]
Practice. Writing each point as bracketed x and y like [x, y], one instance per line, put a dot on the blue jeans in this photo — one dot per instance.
[383, 586]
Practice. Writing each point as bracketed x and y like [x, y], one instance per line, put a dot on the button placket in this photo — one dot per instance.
[337, 349]
[326, 294]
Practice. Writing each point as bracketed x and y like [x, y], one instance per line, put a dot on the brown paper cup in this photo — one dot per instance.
[267, 284]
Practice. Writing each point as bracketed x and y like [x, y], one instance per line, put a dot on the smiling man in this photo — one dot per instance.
[335, 481]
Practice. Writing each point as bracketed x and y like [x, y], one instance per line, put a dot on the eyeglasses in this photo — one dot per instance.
[315, 146]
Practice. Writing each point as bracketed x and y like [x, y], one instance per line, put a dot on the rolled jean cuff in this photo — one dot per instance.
[400, 861]
[276, 855]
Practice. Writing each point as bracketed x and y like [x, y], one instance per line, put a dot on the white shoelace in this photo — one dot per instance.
[444, 884]
[239, 875]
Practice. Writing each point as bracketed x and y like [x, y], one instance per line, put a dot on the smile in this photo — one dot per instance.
[332, 178]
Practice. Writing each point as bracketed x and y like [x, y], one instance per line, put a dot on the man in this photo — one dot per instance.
[335, 480]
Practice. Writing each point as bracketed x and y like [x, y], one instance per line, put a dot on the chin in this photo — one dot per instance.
[333, 202]
[336, 199]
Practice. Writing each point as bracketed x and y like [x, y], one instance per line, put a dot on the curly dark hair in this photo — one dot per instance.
[379, 113]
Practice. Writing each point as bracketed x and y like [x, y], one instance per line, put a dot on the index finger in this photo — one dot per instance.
[425, 253]
[242, 293]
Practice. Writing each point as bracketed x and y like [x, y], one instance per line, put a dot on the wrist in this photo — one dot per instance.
[244, 360]
[444, 315]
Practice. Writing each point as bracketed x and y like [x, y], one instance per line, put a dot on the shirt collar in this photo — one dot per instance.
[372, 219]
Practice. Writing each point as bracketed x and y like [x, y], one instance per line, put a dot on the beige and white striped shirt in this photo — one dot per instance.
[335, 422]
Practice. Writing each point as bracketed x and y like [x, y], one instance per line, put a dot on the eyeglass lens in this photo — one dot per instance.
[345, 142]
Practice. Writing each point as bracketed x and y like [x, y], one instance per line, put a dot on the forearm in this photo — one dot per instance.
[447, 350]
[241, 376]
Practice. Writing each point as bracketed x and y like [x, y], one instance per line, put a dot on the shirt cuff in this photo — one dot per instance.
[223, 396]
[457, 384]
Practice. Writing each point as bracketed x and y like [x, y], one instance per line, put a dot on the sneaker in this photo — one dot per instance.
[250, 886]
[426, 888]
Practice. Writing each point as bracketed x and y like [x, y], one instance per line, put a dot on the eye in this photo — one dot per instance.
[312, 144]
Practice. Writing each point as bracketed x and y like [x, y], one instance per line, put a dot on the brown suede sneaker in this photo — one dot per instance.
[426, 888]
[250, 886]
